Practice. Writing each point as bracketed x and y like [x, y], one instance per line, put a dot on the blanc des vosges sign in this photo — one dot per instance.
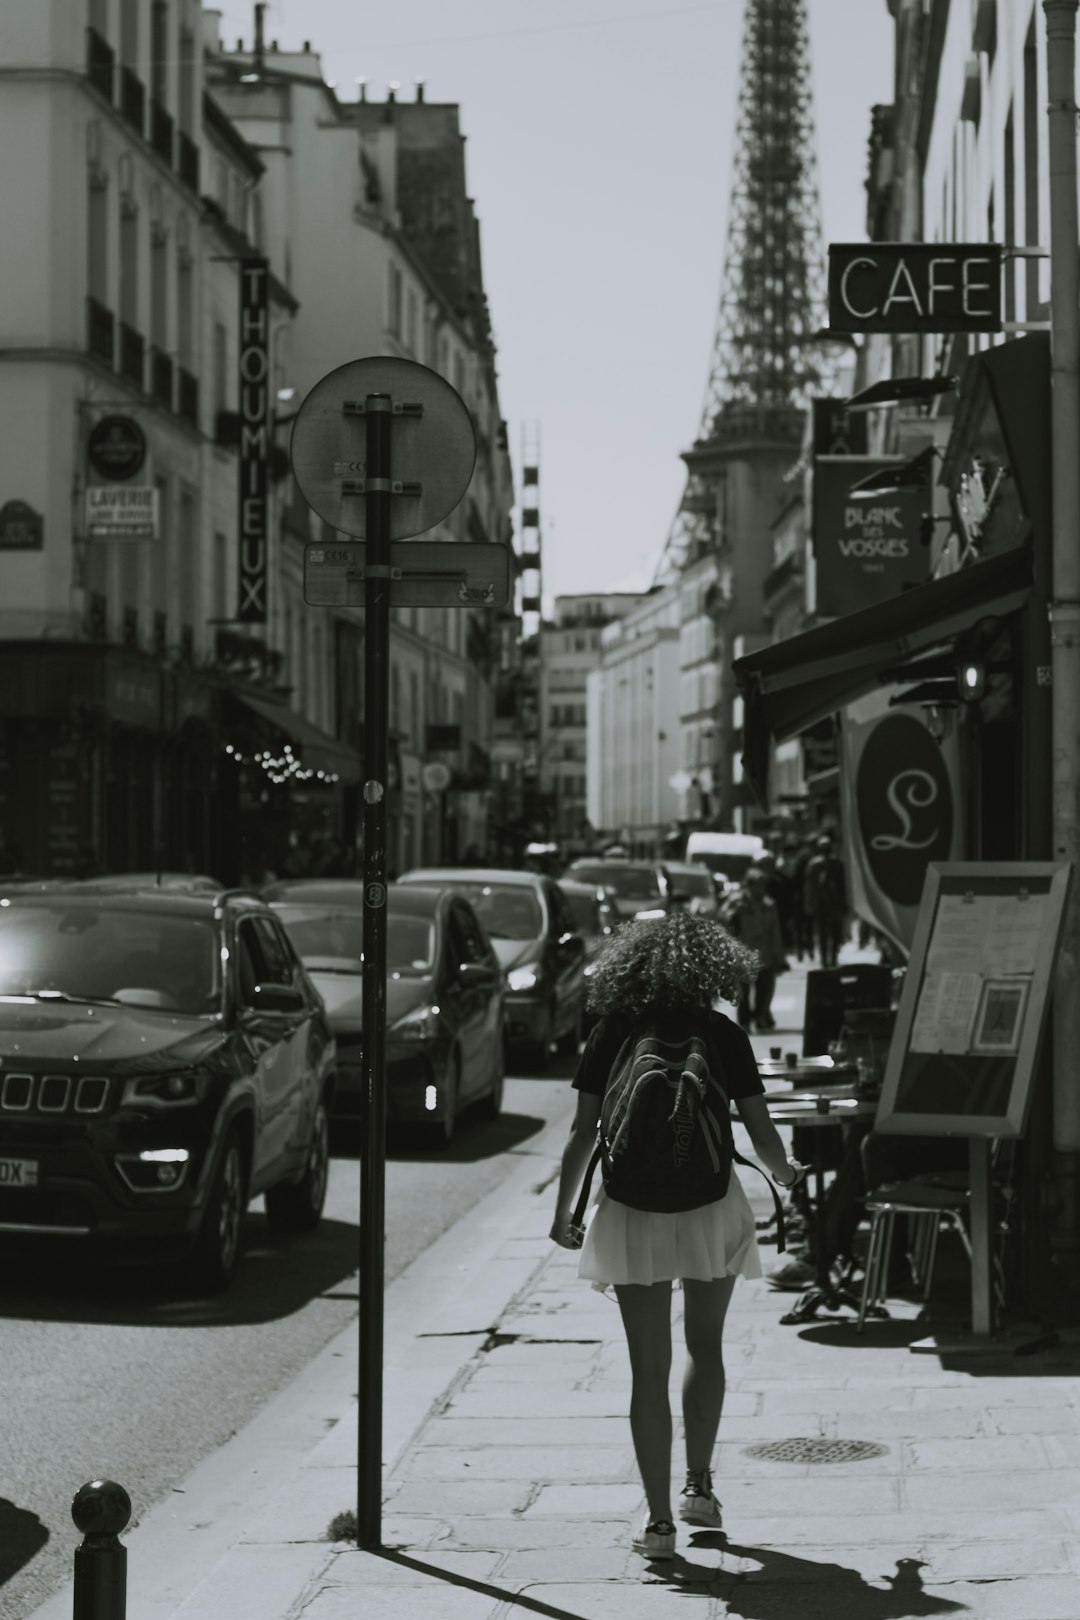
[915, 287]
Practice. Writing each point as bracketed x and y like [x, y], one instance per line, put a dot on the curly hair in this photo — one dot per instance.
[678, 963]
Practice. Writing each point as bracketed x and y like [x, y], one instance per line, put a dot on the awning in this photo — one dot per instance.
[792, 684]
[318, 750]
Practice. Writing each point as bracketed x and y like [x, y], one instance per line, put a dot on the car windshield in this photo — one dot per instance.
[329, 940]
[507, 910]
[628, 882]
[585, 911]
[140, 958]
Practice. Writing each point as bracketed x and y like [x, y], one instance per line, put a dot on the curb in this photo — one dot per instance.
[438, 1313]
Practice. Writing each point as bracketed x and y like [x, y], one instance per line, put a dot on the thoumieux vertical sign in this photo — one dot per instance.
[253, 480]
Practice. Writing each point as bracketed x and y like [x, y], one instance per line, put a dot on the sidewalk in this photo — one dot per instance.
[510, 1478]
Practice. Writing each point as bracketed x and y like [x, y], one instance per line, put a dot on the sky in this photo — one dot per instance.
[600, 138]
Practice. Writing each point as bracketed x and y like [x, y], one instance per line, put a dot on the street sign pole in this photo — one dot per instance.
[419, 455]
[378, 424]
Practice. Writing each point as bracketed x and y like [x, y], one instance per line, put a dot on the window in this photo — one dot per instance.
[159, 551]
[276, 963]
[459, 373]
[159, 50]
[129, 32]
[221, 576]
[411, 321]
[221, 364]
[186, 98]
[393, 313]
[129, 261]
[98, 243]
[395, 698]
[185, 310]
[188, 555]
[159, 288]
[414, 708]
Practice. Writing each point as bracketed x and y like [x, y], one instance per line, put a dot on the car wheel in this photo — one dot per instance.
[217, 1247]
[297, 1206]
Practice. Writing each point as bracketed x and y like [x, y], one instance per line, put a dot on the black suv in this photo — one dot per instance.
[163, 1059]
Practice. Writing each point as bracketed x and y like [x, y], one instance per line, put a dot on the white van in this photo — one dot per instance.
[726, 853]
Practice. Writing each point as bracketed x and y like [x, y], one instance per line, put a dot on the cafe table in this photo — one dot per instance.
[820, 1109]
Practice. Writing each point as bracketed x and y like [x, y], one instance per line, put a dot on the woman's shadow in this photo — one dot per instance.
[787, 1587]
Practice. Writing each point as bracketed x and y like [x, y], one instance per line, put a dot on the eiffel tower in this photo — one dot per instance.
[764, 365]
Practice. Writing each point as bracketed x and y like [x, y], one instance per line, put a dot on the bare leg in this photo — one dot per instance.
[706, 1306]
[646, 1314]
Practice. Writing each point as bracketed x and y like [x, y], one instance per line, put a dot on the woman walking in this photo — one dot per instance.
[665, 976]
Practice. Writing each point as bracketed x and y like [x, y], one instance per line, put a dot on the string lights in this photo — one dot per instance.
[283, 768]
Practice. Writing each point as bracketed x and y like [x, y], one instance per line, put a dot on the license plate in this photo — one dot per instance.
[18, 1172]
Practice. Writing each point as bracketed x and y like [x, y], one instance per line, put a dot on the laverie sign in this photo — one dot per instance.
[915, 287]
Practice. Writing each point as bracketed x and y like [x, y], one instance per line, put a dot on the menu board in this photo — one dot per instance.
[975, 998]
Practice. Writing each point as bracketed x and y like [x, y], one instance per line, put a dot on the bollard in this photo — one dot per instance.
[101, 1509]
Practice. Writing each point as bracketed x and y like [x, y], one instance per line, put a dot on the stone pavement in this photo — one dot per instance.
[515, 1492]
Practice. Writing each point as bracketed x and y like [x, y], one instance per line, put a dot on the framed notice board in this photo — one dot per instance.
[975, 998]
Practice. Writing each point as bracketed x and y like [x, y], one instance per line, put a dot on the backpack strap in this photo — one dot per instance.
[578, 1218]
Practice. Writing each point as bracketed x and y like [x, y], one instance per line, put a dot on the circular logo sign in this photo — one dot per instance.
[903, 800]
[116, 448]
[436, 776]
[375, 895]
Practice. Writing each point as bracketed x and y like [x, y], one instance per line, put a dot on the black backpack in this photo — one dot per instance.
[665, 1141]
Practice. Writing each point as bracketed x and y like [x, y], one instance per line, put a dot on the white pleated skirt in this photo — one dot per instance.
[624, 1245]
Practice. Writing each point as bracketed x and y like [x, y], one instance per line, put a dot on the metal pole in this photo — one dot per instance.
[378, 420]
[101, 1510]
[1065, 625]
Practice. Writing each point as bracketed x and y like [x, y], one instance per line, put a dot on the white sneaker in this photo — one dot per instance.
[655, 1540]
[698, 1505]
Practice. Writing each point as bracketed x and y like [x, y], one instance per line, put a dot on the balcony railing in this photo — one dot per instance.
[161, 132]
[187, 161]
[100, 330]
[100, 59]
[132, 99]
[161, 377]
[187, 396]
[132, 353]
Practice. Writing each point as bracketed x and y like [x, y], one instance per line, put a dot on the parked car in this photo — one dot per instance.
[189, 882]
[697, 883]
[163, 1059]
[531, 927]
[637, 888]
[728, 855]
[593, 913]
[444, 996]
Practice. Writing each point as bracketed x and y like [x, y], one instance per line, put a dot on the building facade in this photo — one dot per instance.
[366, 211]
[569, 650]
[633, 725]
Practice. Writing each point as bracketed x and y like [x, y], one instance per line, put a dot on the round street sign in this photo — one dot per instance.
[436, 776]
[116, 448]
[433, 446]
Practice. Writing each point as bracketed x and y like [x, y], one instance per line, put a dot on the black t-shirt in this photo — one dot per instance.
[730, 1053]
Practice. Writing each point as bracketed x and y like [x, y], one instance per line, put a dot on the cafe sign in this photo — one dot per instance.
[915, 287]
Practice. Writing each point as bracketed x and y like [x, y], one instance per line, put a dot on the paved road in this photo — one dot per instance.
[123, 1376]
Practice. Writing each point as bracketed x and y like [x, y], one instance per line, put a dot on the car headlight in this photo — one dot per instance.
[523, 978]
[646, 916]
[422, 1024]
[178, 1090]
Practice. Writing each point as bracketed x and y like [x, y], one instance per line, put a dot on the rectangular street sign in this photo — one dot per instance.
[423, 573]
[915, 286]
[121, 512]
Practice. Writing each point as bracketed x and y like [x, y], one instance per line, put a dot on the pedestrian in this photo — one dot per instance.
[801, 921]
[785, 891]
[664, 976]
[752, 916]
[825, 898]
